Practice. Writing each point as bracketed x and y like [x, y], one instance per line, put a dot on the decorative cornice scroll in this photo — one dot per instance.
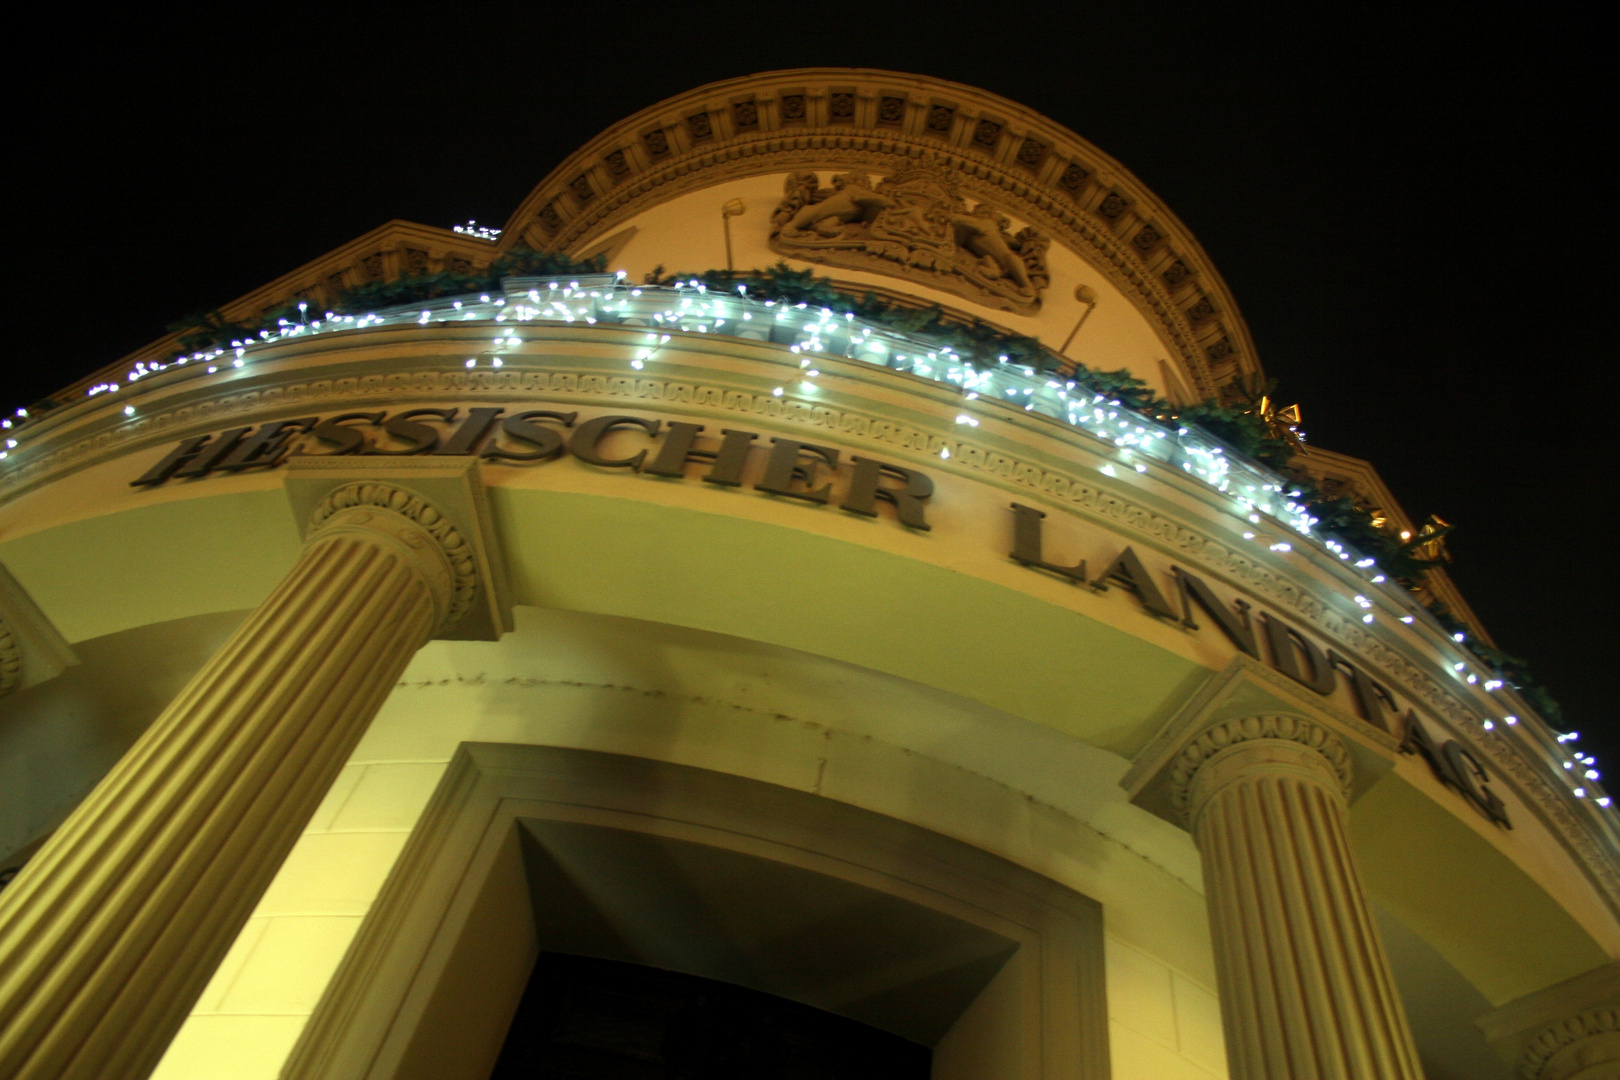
[353, 503]
[1554, 1040]
[1229, 733]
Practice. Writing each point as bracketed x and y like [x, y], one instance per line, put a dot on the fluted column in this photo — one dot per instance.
[112, 930]
[1306, 991]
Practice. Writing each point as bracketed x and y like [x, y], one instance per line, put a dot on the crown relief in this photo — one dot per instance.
[913, 224]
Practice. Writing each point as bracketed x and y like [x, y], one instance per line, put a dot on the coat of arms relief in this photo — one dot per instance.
[913, 224]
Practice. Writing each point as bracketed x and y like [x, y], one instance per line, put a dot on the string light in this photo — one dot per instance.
[477, 231]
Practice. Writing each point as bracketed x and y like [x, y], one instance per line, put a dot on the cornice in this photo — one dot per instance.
[1001, 152]
[566, 365]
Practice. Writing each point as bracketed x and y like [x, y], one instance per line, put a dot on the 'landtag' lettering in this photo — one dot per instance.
[794, 469]
[1288, 650]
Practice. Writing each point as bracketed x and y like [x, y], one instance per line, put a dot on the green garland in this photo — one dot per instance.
[1514, 670]
[1239, 426]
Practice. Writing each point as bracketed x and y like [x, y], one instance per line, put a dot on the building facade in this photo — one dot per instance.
[844, 643]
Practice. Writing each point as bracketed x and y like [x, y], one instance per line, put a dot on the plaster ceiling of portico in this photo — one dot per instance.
[998, 151]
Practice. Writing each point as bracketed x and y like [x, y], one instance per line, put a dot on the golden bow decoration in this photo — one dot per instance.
[1430, 541]
[1281, 423]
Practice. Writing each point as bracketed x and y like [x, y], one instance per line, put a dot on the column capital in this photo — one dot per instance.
[1575, 1044]
[1567, 1031]
[435, 507]
[1239, 746]
[431, 542]
[1243, 704]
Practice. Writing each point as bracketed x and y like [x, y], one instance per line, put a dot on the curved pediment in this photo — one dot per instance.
[881, 129]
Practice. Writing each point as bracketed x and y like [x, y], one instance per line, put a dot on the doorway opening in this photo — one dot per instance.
[582, 1018]
[814, 920]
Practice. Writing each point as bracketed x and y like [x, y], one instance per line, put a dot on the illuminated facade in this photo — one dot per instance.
[352, 665]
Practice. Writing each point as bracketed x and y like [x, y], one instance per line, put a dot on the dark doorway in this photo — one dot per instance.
[586, 1019]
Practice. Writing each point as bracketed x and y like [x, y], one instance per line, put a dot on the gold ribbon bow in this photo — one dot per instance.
[1430, 542]
[1281, 423]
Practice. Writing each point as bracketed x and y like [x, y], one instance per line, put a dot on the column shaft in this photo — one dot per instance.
[112, 931]
[1306, 990]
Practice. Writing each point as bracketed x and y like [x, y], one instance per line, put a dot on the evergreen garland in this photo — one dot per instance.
[1513, 670]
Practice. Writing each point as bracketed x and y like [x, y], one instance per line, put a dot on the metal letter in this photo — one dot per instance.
[864, 491]
[182, 453]
[346, 439]
[589, 434]
[547, 442]
[678, 449]
[422, 439]
[466, 437]
[1415, 740]
[1283, 638]
[213, 453]
[1466, 767]
[731, 457]
[1237, 628]
[1370, 695]
[785, 466]
[1027, 544]
[1127, 570]
[268, 445]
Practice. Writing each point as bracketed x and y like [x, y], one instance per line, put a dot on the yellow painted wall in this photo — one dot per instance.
[1005, 785]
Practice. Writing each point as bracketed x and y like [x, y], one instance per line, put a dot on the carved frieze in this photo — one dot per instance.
[913, 224]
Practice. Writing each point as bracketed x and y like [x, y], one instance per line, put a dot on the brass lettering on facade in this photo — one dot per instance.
[1292, 653]
[796, 469]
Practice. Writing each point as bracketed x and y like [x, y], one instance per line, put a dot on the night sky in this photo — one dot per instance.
[1409, 210]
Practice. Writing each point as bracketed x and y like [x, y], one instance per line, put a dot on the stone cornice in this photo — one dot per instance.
[545, 371]
[875, 120]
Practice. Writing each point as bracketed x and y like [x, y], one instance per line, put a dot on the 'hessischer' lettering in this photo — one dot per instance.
[793, 469]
